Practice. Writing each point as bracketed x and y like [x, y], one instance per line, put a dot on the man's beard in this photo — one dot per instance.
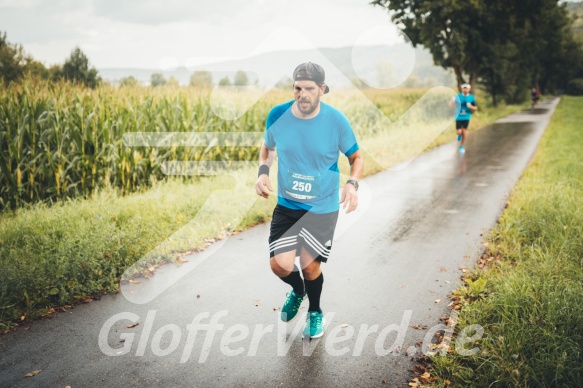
[310, 109]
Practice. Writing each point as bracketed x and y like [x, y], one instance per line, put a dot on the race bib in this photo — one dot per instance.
[302, 187]
[463, 108]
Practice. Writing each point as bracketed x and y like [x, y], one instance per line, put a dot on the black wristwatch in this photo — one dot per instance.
[353, 182]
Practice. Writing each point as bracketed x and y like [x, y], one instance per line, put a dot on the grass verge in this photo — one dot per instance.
[54, 256]
[527, 291]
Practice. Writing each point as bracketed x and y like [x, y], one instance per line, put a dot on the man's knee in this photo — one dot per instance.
[281, 265]
[312, 270]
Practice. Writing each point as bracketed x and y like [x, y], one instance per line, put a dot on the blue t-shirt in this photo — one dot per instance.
[307, 149]
[461, 109]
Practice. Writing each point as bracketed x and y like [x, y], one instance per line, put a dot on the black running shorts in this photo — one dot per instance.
[293, 229]
[462, 124]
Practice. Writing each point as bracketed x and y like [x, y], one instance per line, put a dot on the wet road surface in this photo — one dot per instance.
[217, 326]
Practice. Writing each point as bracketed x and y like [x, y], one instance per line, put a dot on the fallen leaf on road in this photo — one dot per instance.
[33, 373]
[131, 325]
[275, 308]
[344, 325]
[437, 300]
[442, 269]
[132, 281]
[181, 260]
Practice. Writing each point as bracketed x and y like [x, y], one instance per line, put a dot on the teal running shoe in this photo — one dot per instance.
[462, 150]
[291, 306]
[314, 324]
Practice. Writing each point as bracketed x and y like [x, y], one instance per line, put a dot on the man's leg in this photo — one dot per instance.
[283, 245]
[283, 266]
[313, 279]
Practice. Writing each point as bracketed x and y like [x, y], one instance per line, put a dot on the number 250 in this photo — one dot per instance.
[302, 186]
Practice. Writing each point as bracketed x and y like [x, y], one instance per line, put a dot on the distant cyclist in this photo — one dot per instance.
[465, 103]
[308, 135]
[534, 97]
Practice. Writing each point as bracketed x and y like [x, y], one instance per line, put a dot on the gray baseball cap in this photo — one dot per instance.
[311, 72]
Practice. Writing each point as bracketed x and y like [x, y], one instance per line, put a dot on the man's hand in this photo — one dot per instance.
[349, 198]
[262, 186]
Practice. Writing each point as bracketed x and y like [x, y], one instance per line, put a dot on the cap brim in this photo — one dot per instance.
[327, 89]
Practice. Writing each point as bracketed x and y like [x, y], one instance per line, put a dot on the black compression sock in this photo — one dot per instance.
[295, 280]
[314, 290]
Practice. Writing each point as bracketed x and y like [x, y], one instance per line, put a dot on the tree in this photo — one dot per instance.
[55, 73]
[172, 82]
[241, 79]
[76, 69]
[157, 79]
[128, 82]
[201, 79]
[225, 81]
[413, 81]
[284, 83]
[12, 60]
[507, 46]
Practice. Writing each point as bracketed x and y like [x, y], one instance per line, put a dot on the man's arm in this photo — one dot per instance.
[349, 195]
[473, 105]
[263, 184]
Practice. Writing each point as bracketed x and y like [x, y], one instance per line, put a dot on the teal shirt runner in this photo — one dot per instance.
[461, 109]
[308, 150]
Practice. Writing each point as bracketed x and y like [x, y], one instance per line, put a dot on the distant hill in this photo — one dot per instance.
[375, 65]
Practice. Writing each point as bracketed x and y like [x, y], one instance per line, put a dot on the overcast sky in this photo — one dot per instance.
[163, 34]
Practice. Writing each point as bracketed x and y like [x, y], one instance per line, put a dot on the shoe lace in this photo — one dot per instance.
[294, 301]
[315, 320]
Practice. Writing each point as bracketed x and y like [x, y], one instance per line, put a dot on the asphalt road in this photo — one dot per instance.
[418, 224]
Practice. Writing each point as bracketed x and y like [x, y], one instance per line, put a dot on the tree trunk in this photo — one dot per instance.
[458, 76]
[473, 79]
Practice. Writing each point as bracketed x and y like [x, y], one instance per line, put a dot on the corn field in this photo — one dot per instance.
[60, 141]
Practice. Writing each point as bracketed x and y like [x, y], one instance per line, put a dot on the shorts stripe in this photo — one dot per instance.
[305, 234]
[283, 246]
[283, 240]
[317, 250]
[316, 246]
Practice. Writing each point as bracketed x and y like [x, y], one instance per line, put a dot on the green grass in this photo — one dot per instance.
[52, 256]
[532, 309]
[56, 255]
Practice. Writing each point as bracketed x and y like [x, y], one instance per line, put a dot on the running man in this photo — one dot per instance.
[308, 135]
[534, 97]
[465, 103]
